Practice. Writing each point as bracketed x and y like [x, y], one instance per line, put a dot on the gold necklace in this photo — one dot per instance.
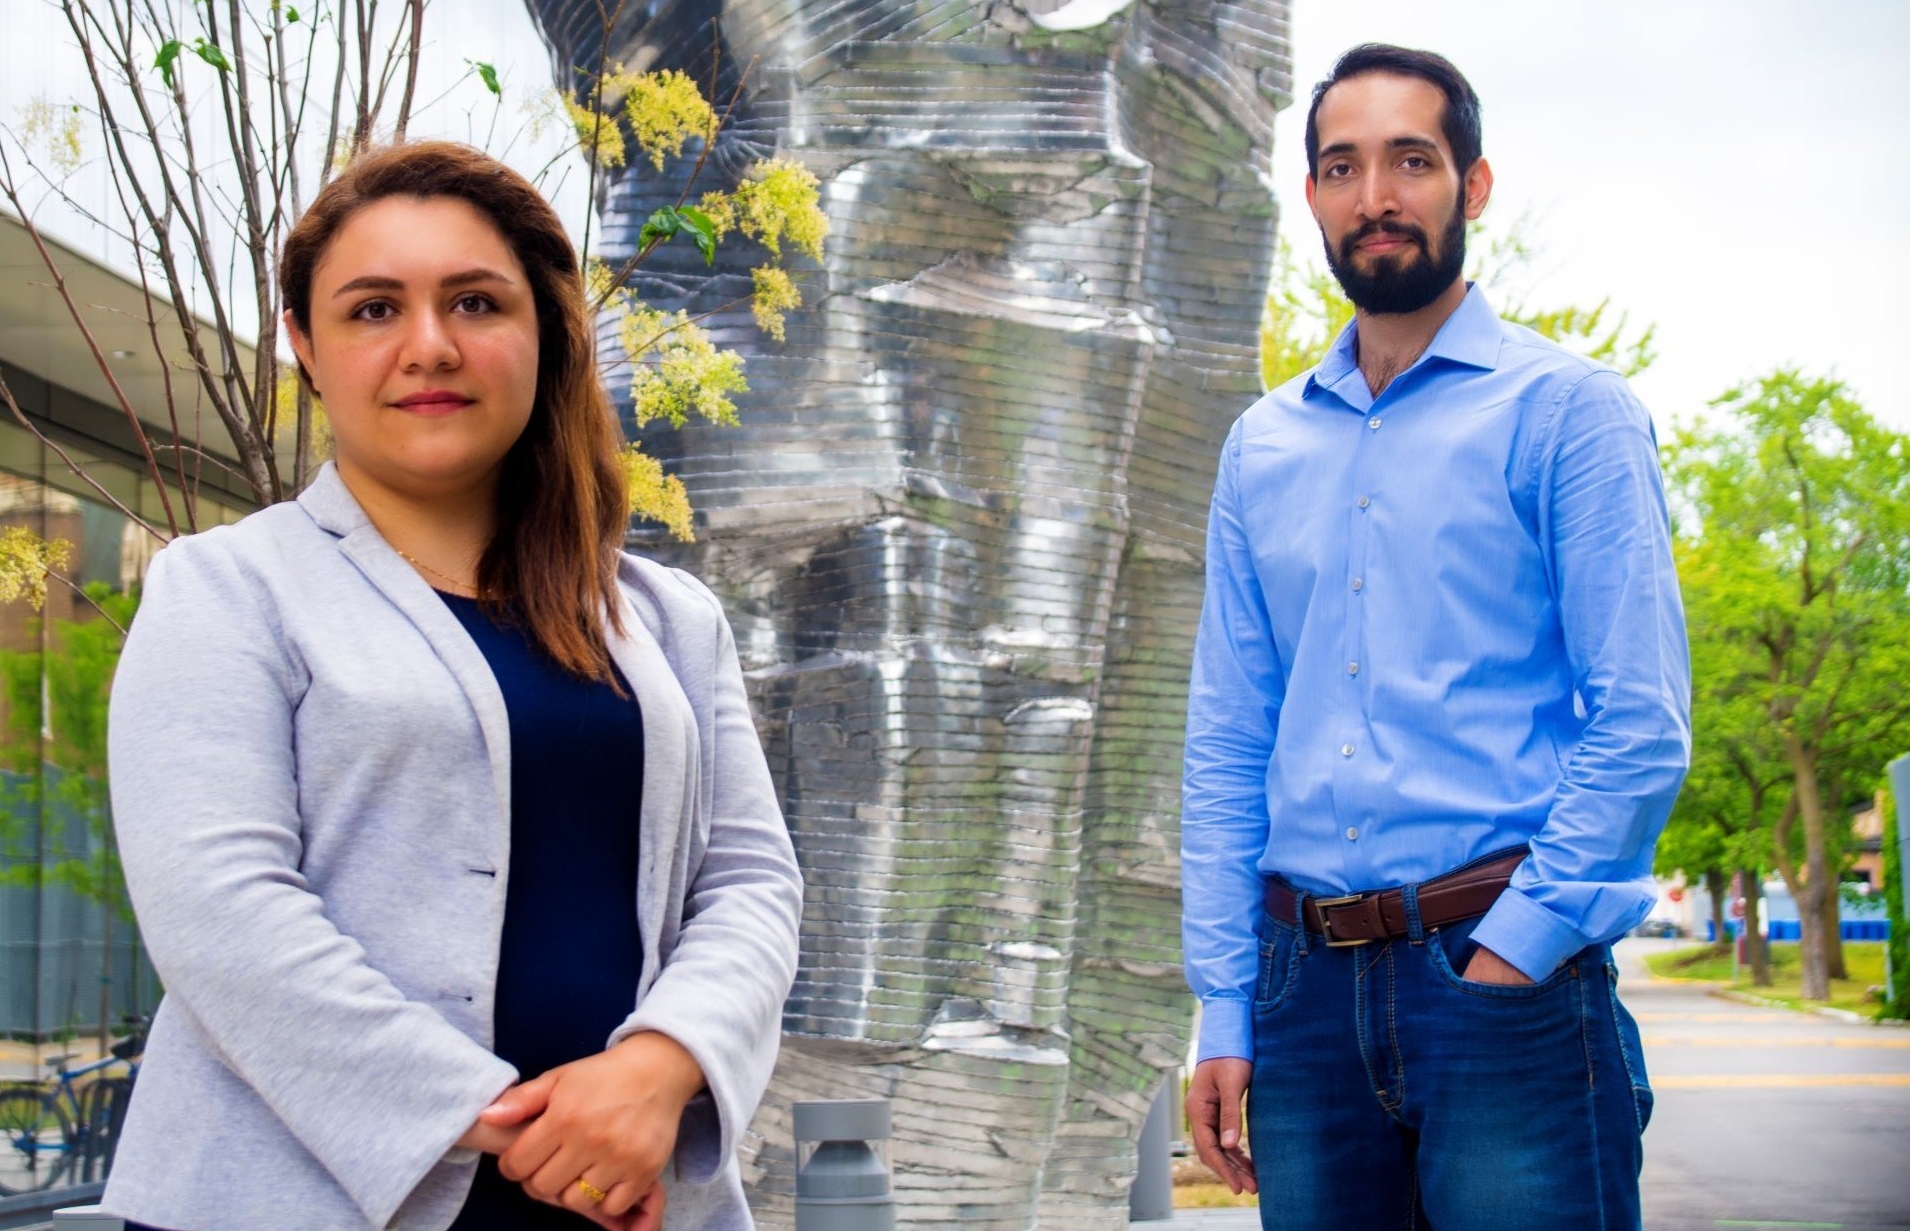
[461, 585]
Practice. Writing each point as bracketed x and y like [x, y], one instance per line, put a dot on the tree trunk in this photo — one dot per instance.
[1834, 931]
[1817, 875]
[1756, 951]
[1718, 887]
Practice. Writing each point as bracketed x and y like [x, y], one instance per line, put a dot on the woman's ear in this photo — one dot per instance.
[301, 349]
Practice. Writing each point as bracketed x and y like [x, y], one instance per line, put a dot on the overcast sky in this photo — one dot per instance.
[1732, 170]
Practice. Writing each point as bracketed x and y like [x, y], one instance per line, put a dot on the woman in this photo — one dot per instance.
[445, 821]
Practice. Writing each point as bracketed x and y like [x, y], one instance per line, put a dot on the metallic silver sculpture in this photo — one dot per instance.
[959, 534]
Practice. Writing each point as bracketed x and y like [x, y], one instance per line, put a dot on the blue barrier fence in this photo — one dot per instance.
[1787, 929]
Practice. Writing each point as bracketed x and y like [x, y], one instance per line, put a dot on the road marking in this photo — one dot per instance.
[1776, 1081]
[1739, 1040]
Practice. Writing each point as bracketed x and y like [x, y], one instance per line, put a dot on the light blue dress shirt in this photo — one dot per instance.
[1438, 622]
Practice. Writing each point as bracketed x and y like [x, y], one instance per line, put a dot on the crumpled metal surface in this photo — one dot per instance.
[959, 535]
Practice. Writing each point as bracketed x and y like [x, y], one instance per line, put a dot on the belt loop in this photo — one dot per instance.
[1299, 917]
[1415, 930]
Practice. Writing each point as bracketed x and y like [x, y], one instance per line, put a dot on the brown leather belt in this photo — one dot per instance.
[1362, 918]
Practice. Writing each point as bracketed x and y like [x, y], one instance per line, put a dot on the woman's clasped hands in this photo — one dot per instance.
[593, 1136]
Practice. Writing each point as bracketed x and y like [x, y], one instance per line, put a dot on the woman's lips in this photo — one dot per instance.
[433, 402]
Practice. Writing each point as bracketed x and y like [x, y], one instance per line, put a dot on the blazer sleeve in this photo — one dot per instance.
[205, 793]
[721, 990]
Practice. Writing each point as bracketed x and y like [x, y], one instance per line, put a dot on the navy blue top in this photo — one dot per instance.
[568, 965]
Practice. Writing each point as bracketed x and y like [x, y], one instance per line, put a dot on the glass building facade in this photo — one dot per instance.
[71, 963]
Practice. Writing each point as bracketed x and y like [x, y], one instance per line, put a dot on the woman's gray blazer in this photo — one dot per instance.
[311, 783]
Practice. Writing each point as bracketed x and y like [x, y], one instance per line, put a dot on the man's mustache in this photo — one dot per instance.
[1381, 227]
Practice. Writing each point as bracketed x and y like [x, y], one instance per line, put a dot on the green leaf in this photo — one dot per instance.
[661, 225]
[488, 72]
[168, 52]
[291, 15]
[698, 224]
[210, 53]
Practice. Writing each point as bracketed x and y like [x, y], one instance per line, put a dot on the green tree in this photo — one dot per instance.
[54, 755]
[1898, 1006]
[1793, 512]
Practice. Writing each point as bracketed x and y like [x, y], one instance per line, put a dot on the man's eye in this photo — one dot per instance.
[1415, 162]
[1338, 170]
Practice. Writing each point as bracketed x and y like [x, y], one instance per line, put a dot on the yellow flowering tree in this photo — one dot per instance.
[676, 369]
[212, 122]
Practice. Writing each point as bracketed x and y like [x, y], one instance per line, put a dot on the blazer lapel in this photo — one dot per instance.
[330, 504]
[670, 749]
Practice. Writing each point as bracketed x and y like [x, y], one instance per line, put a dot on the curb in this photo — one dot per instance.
[1766, 1002]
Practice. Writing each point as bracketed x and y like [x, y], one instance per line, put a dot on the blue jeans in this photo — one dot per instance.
[1389, 1093]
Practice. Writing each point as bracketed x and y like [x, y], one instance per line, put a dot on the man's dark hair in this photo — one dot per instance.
[1461, 119]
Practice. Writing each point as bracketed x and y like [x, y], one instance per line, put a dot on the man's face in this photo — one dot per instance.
[1391, 204]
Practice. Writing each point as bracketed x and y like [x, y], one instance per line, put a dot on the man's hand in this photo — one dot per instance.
[609, 1120]
[1213, 1113]
[1488, 967]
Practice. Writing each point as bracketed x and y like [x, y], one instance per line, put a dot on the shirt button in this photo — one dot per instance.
[1352, 834]
[1365, 500]
[1346, 750]
[1358, 585]
[1352, 668]
[1373, 423]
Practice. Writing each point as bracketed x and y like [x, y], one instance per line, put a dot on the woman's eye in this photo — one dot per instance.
[472, 303]
[376, 310]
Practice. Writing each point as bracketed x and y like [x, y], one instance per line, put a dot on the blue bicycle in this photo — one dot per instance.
[63, 1129]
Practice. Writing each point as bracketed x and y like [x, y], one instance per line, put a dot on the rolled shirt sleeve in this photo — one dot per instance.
[1606, 536]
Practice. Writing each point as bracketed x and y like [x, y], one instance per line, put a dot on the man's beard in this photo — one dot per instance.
[1402, 282]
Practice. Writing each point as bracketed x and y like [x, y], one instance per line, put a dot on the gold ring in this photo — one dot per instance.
[595, 1194]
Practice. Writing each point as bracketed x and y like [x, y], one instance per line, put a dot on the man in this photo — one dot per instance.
[1439, 713]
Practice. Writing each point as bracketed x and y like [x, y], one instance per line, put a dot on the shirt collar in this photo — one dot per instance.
[1471, 336]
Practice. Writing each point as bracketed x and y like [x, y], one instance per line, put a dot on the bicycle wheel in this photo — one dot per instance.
[103, 1110]
[34, 1131]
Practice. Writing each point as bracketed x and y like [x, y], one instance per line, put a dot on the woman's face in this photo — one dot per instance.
[423, 347]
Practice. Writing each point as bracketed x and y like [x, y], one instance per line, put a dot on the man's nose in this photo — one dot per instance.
[1377, 198]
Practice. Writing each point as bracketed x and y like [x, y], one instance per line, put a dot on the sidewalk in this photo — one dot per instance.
[1209, 1220]
[26, 1061]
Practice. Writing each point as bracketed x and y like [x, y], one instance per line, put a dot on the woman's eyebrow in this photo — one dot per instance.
[379, 282]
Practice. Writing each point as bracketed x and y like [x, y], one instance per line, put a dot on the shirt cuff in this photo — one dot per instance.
[1527, 935]
[1226, 1029]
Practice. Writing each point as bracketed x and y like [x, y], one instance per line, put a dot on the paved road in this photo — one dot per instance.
[1766, 1119]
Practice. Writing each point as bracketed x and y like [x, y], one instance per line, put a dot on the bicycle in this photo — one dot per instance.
[60, 1129]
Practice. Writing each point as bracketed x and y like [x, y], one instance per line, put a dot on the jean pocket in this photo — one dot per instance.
[1443, 963]
[1631, 1052]
[1279, 955]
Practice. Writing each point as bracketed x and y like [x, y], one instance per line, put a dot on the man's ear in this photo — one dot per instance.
[1311, 187]
[1478, 188]
[301, 348]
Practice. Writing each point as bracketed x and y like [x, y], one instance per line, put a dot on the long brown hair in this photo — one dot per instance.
[561, 502]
